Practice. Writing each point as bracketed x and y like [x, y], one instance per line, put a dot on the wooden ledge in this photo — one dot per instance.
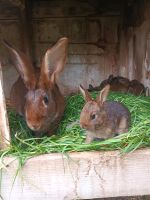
[4, 127]
[84, 175]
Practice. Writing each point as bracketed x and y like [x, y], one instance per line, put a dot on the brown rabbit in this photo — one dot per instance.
[136, 88]
[101, 118]
[35, 94]
[120, 84]
[117, 83]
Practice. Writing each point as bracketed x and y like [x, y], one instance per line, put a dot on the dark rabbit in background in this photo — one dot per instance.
[117, 83]
[35, 95]
[136, 88]
[102, 118]
[121, 84]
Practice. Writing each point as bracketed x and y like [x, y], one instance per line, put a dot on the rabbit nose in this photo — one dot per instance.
[34, 127]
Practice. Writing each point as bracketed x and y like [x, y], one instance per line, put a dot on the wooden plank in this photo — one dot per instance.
[74, 48]
[4, 127]
[26, 28]
[80, 59]
[80, 51]
[79, 30]
[61, 8]
[10, 75]
[52, 29]
[9, 30]
[84, 175]
[7, 10]
[93, 74]
[18, 3]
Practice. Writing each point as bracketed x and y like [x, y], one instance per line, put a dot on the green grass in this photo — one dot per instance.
[70, 137]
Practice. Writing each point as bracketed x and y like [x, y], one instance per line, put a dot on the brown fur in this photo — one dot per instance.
[35, 94]
[121, 84]
[117, 83]
[111, 117]
[136, 88]
[147, 68]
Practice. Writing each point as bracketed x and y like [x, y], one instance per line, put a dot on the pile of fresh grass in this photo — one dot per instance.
[70, 137]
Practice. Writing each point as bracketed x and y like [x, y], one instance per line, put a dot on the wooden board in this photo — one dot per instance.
[93, 39]
[83, 175]
[4, 128]
[65, 8]
[7, 10]
[79, 29]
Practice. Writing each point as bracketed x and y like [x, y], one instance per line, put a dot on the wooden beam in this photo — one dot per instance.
[25, 18]
[17, 3]
[85, 175]
[4, 127]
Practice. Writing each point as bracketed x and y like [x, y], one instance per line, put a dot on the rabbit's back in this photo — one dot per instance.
[116, 111]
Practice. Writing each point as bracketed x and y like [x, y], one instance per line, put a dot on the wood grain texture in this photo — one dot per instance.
[93, 38]
[84, 175]
[65, 8]
[4, 128]
[100, 43]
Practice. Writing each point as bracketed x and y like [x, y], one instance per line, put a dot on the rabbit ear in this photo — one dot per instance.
[54, 61]
[103, 95]
[23, 66]
[110, 78]
[85, 94]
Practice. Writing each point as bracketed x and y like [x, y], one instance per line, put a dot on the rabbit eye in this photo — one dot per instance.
[45, 99]
[93, 116]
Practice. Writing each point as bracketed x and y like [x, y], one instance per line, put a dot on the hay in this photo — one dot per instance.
[70, 137]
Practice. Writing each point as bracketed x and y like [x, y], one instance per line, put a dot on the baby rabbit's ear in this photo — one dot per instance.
[23, 66]
[85, 94]
[54, 61]
[110, 78]
[103, 95]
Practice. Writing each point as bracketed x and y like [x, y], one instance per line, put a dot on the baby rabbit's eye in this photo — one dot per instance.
[93, 116]
[45, 99]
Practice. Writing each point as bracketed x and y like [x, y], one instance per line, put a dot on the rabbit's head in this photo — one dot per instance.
[93, 114]
[43, 97]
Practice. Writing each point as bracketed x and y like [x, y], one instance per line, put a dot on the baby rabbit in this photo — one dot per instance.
[121, 84]
[101, 118]
[35, 95]
[136, 88]
[117, 83]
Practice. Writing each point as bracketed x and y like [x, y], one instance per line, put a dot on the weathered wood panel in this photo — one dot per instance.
[67, 8]
[7, 10]
[85, 175]
[93, 37]
[92, 54]
[4, 127]
[79, 50]
[74, 74]
[100, 43]
[61, 8]
[9, 30]
[10, 75]
[79, 30]
[134, 43]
